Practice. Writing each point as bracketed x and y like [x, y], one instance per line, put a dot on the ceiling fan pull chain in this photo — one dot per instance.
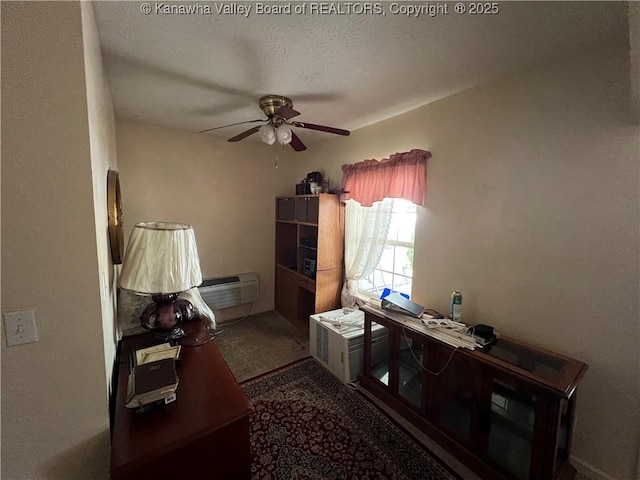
[276, 155]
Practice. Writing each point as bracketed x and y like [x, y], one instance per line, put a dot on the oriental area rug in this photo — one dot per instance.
[307, 425]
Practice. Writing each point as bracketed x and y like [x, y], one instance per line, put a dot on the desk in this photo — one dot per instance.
[205, 432]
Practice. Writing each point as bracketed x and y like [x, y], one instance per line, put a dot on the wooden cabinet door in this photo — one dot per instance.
[301, 209]
[286, 209]
[313, 207]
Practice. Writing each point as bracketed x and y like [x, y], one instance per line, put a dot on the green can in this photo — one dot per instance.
[455, 312]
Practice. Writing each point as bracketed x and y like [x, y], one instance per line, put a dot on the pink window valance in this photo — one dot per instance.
[402, 175]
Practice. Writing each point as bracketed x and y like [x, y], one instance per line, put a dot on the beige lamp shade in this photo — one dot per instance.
[161, 258]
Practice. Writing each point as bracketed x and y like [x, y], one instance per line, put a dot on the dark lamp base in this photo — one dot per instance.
[171, 336]
[167, 313]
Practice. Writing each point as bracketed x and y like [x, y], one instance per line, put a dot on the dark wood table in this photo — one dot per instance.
[204, 432]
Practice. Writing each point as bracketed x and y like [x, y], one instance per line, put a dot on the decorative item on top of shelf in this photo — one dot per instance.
[313, 184]
[301, 188]
[314, 177]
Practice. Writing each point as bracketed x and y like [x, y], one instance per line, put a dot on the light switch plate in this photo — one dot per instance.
[20, 327]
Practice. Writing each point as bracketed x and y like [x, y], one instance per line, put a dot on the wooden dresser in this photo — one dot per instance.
[204, 433]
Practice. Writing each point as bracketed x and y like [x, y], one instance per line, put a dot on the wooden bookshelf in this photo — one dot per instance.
[309, 228]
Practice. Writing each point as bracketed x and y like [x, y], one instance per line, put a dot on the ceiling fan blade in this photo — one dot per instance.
[321, 128]
[296, 143]
[244, 134]
[231, 125]
[286, 112]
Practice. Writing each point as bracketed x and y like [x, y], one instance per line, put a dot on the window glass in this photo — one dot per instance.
[395, 267]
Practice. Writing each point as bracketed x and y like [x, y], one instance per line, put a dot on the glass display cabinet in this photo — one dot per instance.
[507, 411]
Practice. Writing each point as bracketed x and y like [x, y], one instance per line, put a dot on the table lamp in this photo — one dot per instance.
[161, 261]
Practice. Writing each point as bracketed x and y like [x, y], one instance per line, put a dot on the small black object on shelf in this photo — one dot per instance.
[484, 335]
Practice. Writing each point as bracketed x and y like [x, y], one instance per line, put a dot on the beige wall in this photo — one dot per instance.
[225, 190]
[634, 48]
[532, 212]
[102, 138]
[54, 395]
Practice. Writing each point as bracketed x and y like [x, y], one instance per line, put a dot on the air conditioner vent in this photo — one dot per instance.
[220, 281]
[322, 343]
[229, 291]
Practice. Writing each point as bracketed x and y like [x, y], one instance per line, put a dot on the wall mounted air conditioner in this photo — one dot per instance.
[230, 291]
[342, 353]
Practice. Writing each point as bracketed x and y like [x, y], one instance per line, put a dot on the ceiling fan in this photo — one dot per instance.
[279, 111]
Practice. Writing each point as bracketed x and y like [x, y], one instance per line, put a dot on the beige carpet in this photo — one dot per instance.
[266, 341]
[260, 343]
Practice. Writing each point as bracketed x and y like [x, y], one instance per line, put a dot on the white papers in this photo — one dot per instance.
[157, 352]
[454, 336]
[343, 322]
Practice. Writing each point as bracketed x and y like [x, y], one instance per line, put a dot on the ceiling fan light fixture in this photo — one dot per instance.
[284, 134]
[279, 111]
[267, 134]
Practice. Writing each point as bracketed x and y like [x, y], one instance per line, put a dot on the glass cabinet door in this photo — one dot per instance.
[512, 419]
[453, 405]
[410, 368]
[380, 359]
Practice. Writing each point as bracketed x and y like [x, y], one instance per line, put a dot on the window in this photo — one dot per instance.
[377, 256]
[395, 267]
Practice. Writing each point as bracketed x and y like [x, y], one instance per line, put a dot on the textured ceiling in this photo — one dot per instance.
[200, 71]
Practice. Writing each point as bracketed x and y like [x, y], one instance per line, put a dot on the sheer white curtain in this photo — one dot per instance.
[365, 232]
